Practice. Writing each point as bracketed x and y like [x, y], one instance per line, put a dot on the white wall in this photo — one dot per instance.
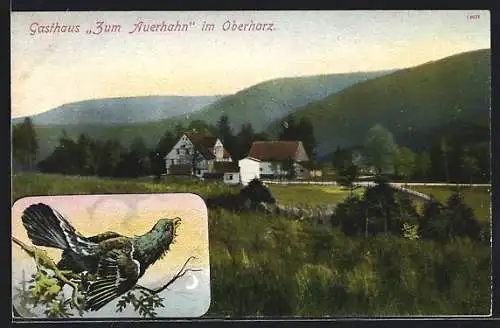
[271, 168]
[218, 150]
[180, 156]
[276, 169]
[249, 170]
[181, 146]
[232, 178]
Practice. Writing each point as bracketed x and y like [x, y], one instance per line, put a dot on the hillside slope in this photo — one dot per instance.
[122, 110]
[270, 100]
[410, 103]
[259, 105]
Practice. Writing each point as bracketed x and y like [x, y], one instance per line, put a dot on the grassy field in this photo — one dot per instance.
[271, 266]
[478, 198]
[309, 195]
[299, 195]
[50, 184]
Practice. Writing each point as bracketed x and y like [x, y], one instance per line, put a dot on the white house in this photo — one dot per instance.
[195, 153]
[275, 155]
[249, 169]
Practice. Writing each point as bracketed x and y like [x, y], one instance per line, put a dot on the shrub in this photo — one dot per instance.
[455, 219]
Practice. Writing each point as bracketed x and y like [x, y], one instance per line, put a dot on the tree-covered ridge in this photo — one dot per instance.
[412, 103]
[121, 110]
[258, 105]
[270, 100]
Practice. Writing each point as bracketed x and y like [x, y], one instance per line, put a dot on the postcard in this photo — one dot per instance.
[310, 164]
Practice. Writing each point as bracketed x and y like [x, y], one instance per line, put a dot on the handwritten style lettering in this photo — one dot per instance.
[141, 27]
[101, 27]
[160, 27]
[243, 27]
[55, 27]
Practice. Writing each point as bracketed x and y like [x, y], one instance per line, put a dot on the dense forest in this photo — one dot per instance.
[447, 158]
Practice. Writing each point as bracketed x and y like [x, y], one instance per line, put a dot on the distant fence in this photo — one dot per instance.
[333, 183]
[413, 193]
[372, 183]
[396, 185]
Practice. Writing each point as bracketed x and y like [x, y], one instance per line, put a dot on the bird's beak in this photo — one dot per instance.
[177, 222]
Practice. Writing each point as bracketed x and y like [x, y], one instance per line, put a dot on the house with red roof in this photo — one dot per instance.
[277, 157]
[196, 154]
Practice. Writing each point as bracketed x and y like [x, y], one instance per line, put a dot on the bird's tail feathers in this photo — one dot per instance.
[46, 227]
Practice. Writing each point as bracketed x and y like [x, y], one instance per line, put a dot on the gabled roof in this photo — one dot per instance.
[270, 151]
[204, 144]
[250, 158]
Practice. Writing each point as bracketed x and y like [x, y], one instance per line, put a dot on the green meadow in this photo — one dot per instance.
[309, 195]
[267, 265]
[478, 198]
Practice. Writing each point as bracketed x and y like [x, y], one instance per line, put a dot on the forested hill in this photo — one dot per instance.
[122, 110]
[258, 105]
[265, 102]
[412, 103]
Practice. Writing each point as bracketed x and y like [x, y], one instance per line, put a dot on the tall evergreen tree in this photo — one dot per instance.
[306, 135]
[244, 140]
[422, 165]
[166, 143]
[225, 133]
[25, 143]
[444, 147]
[302, 130]
[109, 156]
[86, 160]
[64, 159]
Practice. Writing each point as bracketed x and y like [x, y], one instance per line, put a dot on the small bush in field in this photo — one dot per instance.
[442, 222]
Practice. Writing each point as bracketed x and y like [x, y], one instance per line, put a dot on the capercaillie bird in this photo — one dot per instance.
[115, 262]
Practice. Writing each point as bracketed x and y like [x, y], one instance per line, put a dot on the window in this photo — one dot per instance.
[172, 161]
[178, 151]
[260, 169]
[198, 172]
[230, 177]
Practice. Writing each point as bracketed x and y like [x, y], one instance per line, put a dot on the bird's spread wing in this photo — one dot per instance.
[117, 272]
